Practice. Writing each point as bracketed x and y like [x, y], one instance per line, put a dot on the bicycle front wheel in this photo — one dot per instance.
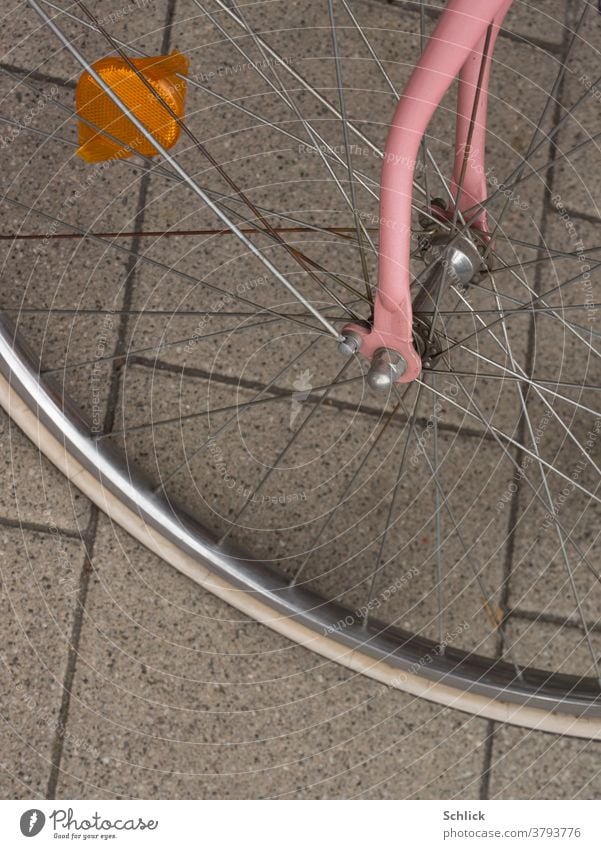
[439, 538]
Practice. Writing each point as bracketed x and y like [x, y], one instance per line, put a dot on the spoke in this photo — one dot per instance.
[214, 434]
[438, 528]
[295, 254]
[302, 226]
[544, 310]
[196, 189]
[514, 240]
[490, 607]
[409, 425]
[551, 254]
[238, 408]
[499, 438]
[521, 373]
[170, 313]
[525, 308]
[316, 407]
[24, 128]
[472, 125]
[552, 98]
[525, 419]
[347, 145]
[320, 145]
[143, 258]
[531, 291]
[549, 309]
[511, 376]
[159, 347]
[129, 234]
[505, 437]
[556, 416]
[573, 327]
[521, 377]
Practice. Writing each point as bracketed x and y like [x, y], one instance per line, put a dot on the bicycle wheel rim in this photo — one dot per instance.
[409, 660]
[490, 686]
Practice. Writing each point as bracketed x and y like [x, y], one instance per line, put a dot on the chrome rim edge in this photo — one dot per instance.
[460, 670]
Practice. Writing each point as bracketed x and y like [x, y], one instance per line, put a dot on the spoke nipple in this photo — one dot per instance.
[350, 343]
[386, 367]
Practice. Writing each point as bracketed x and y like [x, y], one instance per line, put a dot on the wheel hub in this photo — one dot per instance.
[454, 261]
[458, 255]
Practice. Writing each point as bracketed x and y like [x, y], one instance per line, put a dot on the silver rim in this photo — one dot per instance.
[400, 650]
[458, 359]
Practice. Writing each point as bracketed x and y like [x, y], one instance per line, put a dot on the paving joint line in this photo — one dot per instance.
[276, 391]
[39, 76]
[87, 566]
[512, 521]
[407, 5]
[552, 619]
[39, 528]
[583, 216]
[484, 793]
[415, 7]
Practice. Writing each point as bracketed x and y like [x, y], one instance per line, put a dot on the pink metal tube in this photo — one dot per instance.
[459, 32]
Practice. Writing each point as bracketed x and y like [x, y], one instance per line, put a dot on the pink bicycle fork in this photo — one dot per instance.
[456, 47]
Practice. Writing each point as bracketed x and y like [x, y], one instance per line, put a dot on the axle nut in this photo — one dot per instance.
[386, 367]
[350, 343]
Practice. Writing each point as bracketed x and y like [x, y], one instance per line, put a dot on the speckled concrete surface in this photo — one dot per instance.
[122, 679]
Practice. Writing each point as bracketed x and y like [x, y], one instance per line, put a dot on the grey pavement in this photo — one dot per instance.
[121, 678]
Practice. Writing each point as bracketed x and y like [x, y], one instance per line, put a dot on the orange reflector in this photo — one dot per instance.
[95, 106]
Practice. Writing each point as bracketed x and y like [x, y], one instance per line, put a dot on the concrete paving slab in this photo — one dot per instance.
[40, 584]
[530, 765]
[175, 694]
[236, 711]
[32, 491]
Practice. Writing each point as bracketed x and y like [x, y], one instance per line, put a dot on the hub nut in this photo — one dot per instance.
[350, 343]
[459, 256]
[387, 366]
